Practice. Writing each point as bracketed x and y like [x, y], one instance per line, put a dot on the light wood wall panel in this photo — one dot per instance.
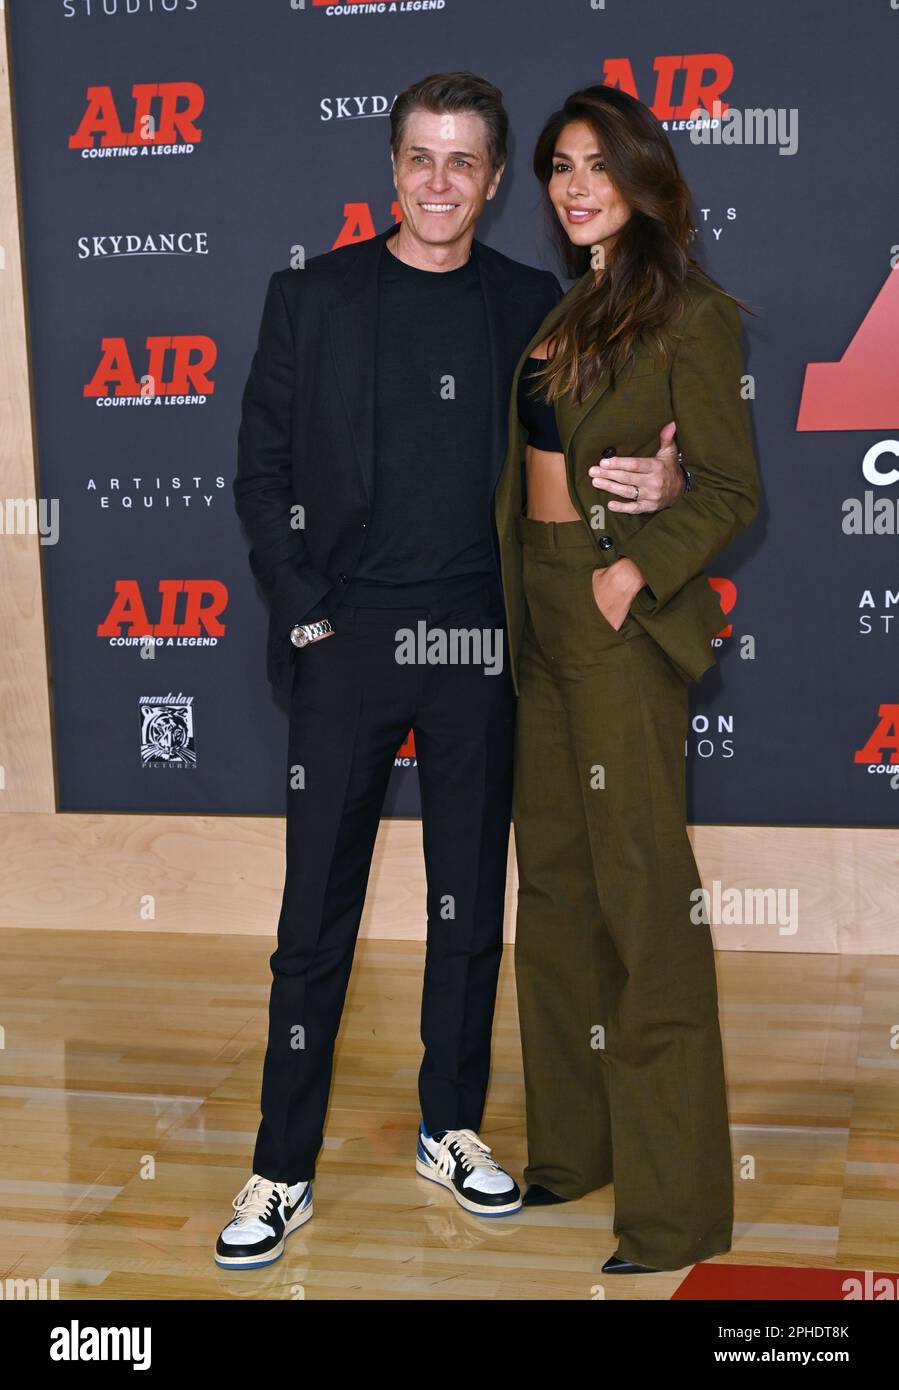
[224, 874]
[26, 762]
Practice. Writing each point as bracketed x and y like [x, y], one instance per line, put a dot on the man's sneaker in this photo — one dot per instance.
[267, 1212]
[459, 1160]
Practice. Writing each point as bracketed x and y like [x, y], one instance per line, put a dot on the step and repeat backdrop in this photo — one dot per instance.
[173, 153]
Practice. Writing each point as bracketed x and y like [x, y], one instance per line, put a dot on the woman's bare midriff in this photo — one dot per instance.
[547, 484]
[547, 479]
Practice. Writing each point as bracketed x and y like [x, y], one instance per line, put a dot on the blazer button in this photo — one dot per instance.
[606, 542]
[608, 453]
[342, 579]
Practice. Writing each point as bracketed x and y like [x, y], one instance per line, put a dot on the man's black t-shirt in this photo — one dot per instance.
[430, 524]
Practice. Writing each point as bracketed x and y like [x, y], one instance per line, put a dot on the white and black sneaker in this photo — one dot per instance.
[459, 1160]
[267, 1212]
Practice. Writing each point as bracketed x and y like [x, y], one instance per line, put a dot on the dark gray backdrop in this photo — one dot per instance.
[808, 242]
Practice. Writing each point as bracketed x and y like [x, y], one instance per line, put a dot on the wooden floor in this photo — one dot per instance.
[129, 1105]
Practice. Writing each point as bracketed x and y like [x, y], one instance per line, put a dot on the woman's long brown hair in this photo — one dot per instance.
[643, 287]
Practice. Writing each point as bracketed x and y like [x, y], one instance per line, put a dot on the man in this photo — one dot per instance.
[372, 435]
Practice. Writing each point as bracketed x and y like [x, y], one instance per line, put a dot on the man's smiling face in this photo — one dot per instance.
[443, 176]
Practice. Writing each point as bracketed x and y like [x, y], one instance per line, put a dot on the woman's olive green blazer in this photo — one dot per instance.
[702, 389]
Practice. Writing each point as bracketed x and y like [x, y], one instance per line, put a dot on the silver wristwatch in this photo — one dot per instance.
[304, 633]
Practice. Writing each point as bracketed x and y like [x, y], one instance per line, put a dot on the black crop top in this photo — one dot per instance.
[537, 416]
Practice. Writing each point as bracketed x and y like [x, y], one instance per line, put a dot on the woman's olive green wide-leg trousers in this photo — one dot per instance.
[617, 996]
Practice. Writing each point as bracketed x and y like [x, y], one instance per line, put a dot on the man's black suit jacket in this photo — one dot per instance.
[305, 463]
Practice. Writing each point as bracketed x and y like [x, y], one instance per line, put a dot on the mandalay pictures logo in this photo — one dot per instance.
[167, 732]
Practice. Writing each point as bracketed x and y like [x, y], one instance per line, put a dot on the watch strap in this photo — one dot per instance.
[302, 634]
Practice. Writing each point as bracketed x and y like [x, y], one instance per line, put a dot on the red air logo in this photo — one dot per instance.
[884, 740]
[186, 608]
[684, 83]
[861, 391]
[358, 223]
[726, 590]
[162, 113]
[175, 366]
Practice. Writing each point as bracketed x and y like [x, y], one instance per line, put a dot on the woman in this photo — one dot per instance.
[610, 616]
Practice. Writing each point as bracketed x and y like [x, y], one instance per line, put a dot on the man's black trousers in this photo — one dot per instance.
[352, 705]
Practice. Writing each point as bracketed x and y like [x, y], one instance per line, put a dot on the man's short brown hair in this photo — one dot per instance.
[446, 92]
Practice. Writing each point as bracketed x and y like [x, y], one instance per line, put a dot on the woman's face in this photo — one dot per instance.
[587, 203]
